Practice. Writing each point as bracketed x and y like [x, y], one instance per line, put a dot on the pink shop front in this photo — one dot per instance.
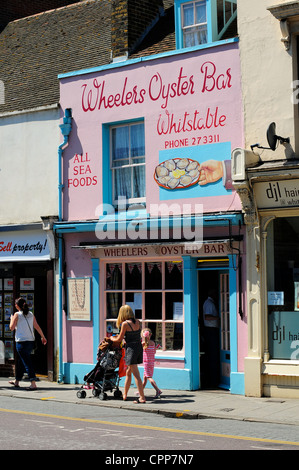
[148, 213]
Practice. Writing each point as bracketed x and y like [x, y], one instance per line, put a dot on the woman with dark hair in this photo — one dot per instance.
[24, 323]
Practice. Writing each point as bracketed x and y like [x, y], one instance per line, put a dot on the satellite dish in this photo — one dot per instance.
[271, 136]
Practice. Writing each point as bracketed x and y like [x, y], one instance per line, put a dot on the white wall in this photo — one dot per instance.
[29, 166]
[267, 75]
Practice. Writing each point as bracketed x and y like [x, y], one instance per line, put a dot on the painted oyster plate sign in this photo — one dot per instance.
[177, 173]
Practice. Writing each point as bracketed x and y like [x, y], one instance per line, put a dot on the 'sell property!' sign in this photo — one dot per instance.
[284, 193]
[24, 246]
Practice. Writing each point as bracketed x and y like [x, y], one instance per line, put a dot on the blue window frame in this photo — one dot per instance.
[194, 23]
[124, 162]
[202, 21]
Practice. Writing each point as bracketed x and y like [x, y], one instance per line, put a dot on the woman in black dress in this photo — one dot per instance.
[130, 332]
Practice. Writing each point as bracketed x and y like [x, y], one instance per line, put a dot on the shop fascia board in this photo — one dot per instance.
[123, 244]
[273, 173]
[121, 224]
[21, 228]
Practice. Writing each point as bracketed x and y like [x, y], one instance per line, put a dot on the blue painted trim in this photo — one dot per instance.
[233, 313]
[191, 320]
[175, 379]
[237, 383]
[107, 181]
[210, 20]
[60, 311]
[207, 220]
[178, 23]
[65, 128]
[163, 55]
[168, 379]
[95, 305]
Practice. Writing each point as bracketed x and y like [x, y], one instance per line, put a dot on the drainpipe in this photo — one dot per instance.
[65, 130]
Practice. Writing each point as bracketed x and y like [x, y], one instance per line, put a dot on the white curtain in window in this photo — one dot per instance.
[139, 181]
[137, 140]
[120, 144]
[201, 15]
[188, 15]
[122, 183]
[127, 151]
[195, 24]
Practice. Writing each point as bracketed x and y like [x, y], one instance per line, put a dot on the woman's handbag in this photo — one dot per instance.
[34, 340]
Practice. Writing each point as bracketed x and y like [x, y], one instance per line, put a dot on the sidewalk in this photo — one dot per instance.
[197, 404]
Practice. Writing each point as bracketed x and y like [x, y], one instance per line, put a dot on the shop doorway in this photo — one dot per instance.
[214, 341]
[39, 297]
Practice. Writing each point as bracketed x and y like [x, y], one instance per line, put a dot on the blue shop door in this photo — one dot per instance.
[224, 331]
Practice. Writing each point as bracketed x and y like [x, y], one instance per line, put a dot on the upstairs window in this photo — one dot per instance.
[194, 23]
[127, 162]
[204, 21]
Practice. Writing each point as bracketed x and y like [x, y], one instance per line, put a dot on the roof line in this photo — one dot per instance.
[125, 63]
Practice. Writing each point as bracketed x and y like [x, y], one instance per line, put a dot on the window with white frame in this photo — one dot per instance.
[194, 23]
[154, 290]
[127, 162]
[204, 21]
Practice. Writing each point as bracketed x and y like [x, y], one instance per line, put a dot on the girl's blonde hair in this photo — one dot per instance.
[125, 313]
[146, 337]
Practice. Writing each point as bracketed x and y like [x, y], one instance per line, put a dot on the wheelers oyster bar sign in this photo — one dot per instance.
[282, 193]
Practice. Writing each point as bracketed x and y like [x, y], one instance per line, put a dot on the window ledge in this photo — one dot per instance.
[208, 45]
[283, 361]
[170, 355]
[281, 367]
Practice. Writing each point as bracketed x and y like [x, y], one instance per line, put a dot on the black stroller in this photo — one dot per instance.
[104, 377]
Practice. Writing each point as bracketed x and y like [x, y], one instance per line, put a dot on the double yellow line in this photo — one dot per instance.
[152, 428]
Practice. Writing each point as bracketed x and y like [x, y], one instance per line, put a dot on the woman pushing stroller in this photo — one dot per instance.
[130, 331]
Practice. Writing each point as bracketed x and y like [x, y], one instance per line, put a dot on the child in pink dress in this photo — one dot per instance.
[149, 350]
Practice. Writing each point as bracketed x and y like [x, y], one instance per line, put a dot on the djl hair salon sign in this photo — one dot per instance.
[282, 193]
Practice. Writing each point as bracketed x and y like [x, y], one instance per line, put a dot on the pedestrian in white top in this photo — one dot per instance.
[24, 323]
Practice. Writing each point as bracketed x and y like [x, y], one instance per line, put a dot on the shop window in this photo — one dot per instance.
[155, 292]
[127, 162]
[204, 21]
[6, 310]
[283, 288]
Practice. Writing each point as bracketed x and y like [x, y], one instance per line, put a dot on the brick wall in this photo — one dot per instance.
[119, 28]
